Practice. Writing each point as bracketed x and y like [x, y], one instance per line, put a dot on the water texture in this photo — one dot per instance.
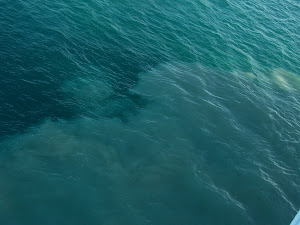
[149, 112]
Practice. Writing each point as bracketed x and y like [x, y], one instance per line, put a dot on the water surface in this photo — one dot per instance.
[149, 112]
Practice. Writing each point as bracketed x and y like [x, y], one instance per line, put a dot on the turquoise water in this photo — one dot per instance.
[149, 112]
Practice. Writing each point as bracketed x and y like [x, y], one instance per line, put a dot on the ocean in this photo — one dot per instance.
[149, 112]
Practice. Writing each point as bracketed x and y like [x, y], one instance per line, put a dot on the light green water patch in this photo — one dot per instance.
[250, 75]
[285, 79]
[183, 152]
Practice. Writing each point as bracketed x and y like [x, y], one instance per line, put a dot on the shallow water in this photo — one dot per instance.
[148, 112]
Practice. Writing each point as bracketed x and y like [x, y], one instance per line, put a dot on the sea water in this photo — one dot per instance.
[149, 112]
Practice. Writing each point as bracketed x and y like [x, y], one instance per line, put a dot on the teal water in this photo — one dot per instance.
[149, 112]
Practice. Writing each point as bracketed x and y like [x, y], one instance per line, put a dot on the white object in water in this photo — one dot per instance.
[296, 220]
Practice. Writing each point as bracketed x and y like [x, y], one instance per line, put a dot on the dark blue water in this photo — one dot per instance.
[149, 112]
